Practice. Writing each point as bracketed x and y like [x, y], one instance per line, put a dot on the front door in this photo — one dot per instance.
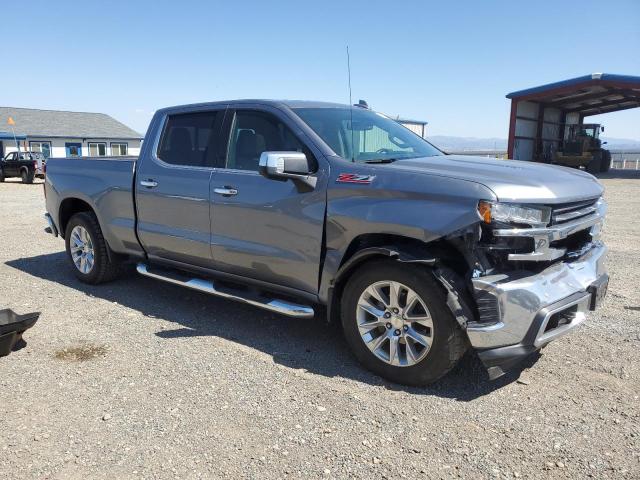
[266, 229]
[10, 165]
[172, 190]
[73, 149]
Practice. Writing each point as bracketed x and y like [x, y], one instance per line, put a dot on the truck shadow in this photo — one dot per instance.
[311, 346]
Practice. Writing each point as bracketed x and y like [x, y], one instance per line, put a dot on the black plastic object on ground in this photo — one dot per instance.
[12, 326]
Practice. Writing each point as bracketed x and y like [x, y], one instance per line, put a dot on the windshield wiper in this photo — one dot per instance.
[381, 160]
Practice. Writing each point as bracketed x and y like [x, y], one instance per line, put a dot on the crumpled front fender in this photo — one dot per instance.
[452, 283]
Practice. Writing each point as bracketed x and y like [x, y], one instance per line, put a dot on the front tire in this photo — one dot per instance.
[1, 176]
[605, 164]
[397, 323]
[593, 167]
[87, 250]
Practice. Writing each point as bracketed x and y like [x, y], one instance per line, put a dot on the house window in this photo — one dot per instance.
[119, 149]
[43, 147]
[97, 149]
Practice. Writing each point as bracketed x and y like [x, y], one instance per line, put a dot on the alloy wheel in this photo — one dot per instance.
[81, 247]
[394, 323]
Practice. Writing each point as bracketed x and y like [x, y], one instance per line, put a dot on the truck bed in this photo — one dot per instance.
[103, 182]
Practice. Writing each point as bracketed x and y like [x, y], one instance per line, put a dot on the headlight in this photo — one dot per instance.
[514, 213]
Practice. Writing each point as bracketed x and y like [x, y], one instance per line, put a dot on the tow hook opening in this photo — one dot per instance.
[559, 319]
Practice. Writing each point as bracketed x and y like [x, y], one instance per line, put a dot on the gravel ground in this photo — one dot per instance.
[143, 379]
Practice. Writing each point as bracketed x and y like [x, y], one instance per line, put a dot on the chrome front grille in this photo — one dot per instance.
[571, 211]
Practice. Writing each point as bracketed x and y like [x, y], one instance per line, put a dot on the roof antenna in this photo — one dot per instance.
[353, 159]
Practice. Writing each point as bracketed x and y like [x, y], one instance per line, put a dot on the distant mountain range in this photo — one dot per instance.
[621, 143]
[460, 144]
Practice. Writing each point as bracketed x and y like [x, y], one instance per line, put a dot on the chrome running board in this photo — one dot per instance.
[208, 286]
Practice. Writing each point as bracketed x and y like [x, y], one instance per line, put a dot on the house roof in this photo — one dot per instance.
[56, 123]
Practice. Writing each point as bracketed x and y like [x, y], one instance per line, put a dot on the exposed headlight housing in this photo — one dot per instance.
[536, 216]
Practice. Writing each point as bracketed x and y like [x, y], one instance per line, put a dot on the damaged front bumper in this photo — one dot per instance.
[522, 312]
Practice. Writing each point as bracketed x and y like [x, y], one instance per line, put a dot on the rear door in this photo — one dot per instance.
[261, 228]
[172, 189]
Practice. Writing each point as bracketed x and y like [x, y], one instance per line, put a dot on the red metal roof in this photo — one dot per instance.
[588, 95]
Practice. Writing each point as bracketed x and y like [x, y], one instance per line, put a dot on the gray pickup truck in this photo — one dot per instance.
[299, 207]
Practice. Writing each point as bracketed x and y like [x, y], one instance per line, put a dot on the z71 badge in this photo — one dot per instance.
[355, 178]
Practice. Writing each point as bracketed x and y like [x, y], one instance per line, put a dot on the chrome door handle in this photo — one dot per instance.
[225, 191]
[148, 183]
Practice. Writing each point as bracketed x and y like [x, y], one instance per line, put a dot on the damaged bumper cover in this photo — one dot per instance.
[522, 312]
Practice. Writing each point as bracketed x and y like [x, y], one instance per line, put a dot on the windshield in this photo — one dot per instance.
[593, 130]
[586, 130]
[373, 138]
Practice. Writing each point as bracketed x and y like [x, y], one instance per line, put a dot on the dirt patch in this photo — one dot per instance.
[81, 353]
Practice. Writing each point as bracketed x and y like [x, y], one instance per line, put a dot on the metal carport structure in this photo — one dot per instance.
[539, 114]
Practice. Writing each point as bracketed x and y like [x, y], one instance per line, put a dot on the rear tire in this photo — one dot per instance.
[593, 166]
[27, 176]
[83, 229]
[605, 164]
[447, 343]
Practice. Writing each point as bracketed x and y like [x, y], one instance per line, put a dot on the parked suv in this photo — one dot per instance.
[290, 206]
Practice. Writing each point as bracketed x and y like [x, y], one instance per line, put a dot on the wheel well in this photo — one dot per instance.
[68, 208]
[443, 250]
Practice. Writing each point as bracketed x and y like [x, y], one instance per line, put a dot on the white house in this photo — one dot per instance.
[65, 134]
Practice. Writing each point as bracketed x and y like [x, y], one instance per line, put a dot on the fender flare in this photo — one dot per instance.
[459, 303]
[89, 201]
[384, 251]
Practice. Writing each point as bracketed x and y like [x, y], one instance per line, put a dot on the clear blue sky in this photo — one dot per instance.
[450, 63]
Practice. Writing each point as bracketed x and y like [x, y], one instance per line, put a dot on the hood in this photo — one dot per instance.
[510, 180]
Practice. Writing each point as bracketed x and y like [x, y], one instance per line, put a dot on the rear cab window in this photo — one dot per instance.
[191, 139]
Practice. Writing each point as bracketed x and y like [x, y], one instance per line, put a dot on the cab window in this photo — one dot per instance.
[254, 132]
[191, 139]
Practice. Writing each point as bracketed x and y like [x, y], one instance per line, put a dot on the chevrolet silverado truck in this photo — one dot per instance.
[306, 207]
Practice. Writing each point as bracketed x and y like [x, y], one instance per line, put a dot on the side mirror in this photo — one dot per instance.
[604, 143]
[602, 128]
[287, 165]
